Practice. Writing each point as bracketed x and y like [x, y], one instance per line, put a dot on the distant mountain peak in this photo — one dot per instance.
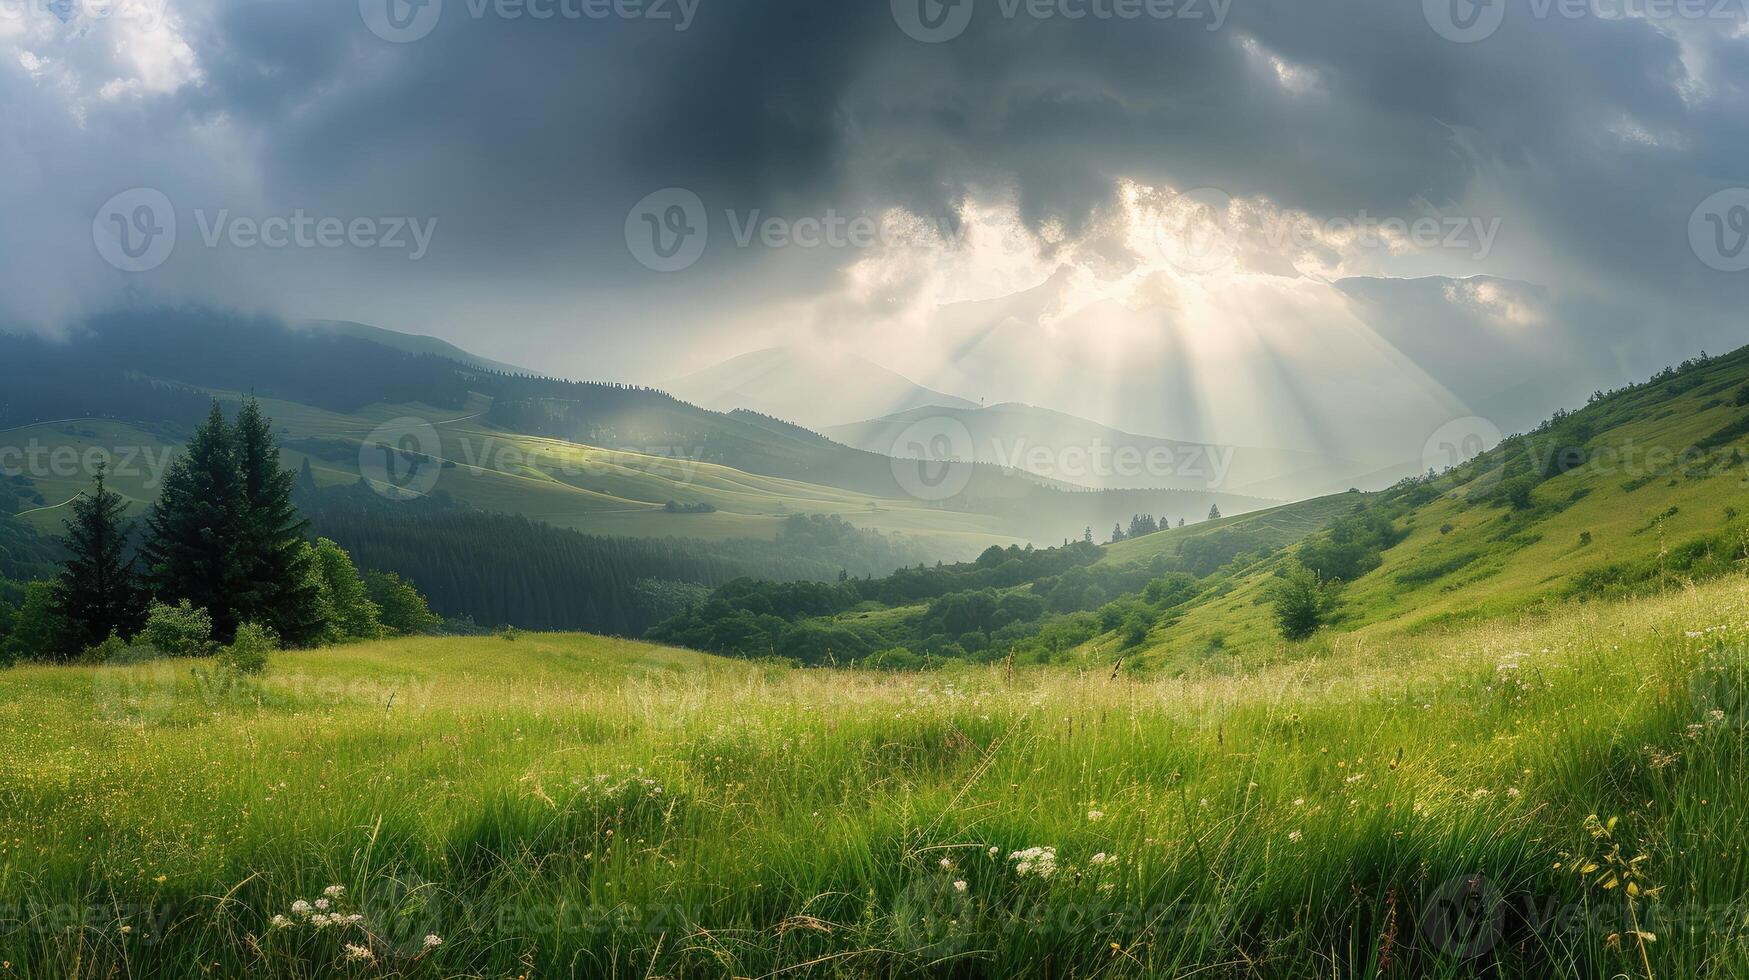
[812, 386]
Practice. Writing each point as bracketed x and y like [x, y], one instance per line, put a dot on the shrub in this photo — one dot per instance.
[112, 650]
[1584, 538]
[404, 610]
[181, 630]
[248, 653]
[1302, 600]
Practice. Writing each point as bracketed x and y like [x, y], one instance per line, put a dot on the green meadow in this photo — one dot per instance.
[1555, 794]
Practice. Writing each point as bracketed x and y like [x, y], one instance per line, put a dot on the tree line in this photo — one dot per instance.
[224, 546]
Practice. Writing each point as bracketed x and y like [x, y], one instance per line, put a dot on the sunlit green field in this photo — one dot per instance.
[1551, 797]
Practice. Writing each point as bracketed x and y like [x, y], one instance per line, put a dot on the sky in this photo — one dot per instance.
[1340, 226]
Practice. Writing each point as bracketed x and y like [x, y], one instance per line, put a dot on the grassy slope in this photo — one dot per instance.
[1494, 560]
[1302, 820]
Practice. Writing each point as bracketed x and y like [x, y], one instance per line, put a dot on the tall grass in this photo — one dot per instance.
[564, 805]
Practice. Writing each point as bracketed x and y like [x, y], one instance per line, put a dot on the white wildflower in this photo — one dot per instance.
[1294, 836]
[1041, 861]
[959, 886]
[322, 903]
[360, 954]
[433, 941]
[300, 907]
[280, 922]
[334, 891]
[1095, 815]
[946, 864]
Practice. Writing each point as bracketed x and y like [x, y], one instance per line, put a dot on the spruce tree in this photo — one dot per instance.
[279, 591]
[97, 593]
[193, 531]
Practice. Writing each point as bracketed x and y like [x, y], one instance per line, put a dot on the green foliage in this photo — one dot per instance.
[270, 548]
[348, 612]
[178, 631]
[1351, 547]
[1302, 600]
[97, 595]
[404, 611]
[37, 628]
[248, 652]
[193, 531]
[113, 649]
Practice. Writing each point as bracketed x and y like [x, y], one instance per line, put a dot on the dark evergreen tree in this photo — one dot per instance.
[97, 593]
[1214, 512]
[279, 591]
[191, 549]
[1116, 533]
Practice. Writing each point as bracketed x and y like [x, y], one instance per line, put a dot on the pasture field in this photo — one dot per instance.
[1557, 795]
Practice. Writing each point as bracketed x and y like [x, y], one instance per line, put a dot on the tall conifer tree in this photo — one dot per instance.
[276, 567]
[193, 532]
[97, 593]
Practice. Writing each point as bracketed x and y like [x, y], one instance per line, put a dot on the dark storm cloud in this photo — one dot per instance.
[530, 138]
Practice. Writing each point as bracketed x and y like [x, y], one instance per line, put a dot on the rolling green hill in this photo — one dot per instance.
[604, 458]
[1637, 492]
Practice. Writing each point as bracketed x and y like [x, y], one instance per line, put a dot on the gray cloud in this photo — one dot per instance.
[1592, 139]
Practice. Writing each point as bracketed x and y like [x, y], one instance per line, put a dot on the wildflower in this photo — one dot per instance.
[433, 941]
[1102, 858]
[300, 907]
[946, 864]
[334, 891]
[360, 954]
[1300, 802]
[1294, 835]
[995, 851]
[959, 886]
[280, 922]
[321, 920]
[1513, 792]
[322, 903]
[1041, 861]
[1095, 815]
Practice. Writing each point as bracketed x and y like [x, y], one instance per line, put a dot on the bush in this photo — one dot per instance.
[113, 649]
[1302, 600]
[248, 653]
[404, 610]
[181, 630]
